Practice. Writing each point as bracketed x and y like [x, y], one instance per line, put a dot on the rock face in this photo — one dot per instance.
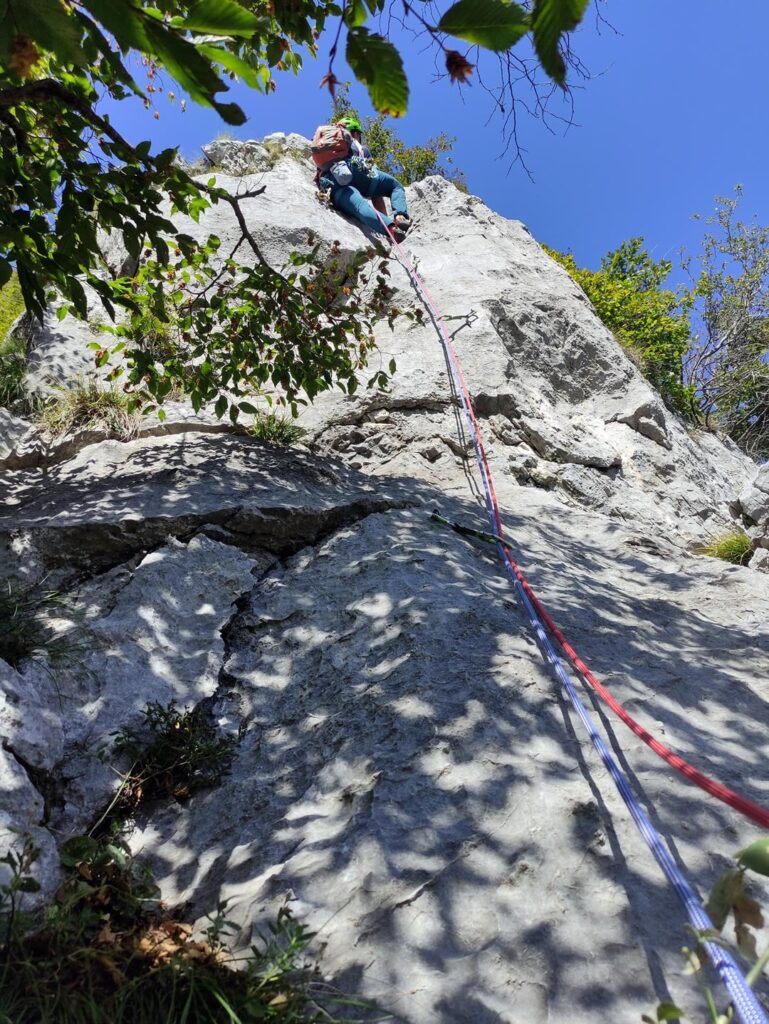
[754, 506]
[407, 773]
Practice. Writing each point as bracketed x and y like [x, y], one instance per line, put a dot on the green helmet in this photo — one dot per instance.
[352, 124]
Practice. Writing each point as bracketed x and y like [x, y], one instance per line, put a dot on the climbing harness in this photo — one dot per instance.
[746, 1005]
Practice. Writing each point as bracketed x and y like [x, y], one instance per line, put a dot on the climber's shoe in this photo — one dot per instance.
[398, 233]
[402, 221]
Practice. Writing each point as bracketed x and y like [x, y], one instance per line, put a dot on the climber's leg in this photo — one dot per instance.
[382, 184]
[350, 201]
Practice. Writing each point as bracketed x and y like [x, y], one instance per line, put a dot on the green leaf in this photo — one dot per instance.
[221, 406]
[76, 850]
[248, 407]
[493, 24]
[219, 18]
[726, 890]
[29, 884]
[231, 61]
[669, 1011]
[192, 70]
[550, 19]
[51, 25]
[377, 64]
[756, 856]
[356, 13]
[123, 20]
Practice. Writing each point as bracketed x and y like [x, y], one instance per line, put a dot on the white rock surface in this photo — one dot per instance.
[754, 505]
[408, 774]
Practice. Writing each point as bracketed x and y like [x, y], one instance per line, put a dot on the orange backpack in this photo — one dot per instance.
[330, 142]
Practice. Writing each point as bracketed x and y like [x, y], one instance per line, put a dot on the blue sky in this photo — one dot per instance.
[676, 113]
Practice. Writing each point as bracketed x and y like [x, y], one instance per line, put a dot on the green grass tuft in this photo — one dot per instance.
[270, 426]
[84, 405]
[734, 547]
[25, 633]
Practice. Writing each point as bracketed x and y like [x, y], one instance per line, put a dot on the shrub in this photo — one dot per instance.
[85, 405]
[108, 952]
[734, 547]
[174, 753]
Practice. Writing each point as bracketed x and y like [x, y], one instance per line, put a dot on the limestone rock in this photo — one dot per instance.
[236, 158]
[754, 506]
[13, 432]
[408, 775]
[116, 499]
[410, 781]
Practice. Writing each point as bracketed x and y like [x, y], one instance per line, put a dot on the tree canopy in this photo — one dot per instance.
[728, 364]
[66, 171]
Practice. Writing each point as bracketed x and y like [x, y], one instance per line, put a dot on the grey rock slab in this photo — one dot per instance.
[237, 158]
[413, 783]
[754, 500]
[115, 499]
[58, 350]
[14, 430]
[154, 635]
[532, 351]
[37, 449]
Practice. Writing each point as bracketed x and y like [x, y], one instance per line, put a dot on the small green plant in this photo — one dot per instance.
[85, 405]
[271, 426]
[174, 753]
[25, 633]
[108, 952]
[20, 880]
[734, 547]
[729, 900]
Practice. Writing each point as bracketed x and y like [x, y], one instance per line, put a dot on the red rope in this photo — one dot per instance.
[728, 796]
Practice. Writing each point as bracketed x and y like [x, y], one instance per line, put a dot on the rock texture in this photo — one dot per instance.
[407, 773]
[754, 506]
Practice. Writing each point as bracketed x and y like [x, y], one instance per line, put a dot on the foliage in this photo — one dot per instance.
[86, 405]
[174, 754]
[234, 328]
[729, 902]
[650, 321]
[66, 171]
[25, 632]
[729, 362]
[108, 952]
[734, 547]
[13, 347]
[269, 426]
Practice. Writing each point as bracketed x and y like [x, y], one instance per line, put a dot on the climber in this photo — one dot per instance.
[346, 169]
